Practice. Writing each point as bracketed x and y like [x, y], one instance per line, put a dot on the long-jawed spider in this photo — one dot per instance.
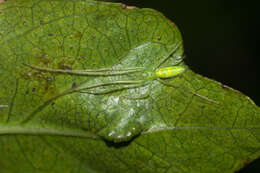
[158, 74]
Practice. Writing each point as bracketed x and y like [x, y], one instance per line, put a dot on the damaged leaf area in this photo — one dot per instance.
[90, 86]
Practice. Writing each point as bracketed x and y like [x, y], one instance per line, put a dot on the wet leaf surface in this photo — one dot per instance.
[50, 123]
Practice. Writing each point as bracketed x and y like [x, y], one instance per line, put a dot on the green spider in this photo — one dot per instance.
[158, 74]
[166, 72]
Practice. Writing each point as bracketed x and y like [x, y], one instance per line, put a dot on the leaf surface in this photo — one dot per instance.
[184, 124]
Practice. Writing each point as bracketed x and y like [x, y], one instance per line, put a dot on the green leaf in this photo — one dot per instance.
[48, 123]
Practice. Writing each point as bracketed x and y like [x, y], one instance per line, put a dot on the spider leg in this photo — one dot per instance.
[107, 84]
[113, 69]
[98, 72]
[165, 58]
[196, 94]
[109, 91]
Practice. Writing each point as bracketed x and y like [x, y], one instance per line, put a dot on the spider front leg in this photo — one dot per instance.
[91, 88]
[165, 58]
[94, 72]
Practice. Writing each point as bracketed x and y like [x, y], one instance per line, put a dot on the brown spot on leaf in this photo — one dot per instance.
[127, 7]
[78, 35]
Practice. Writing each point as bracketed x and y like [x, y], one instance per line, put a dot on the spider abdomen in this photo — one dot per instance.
[168, 72]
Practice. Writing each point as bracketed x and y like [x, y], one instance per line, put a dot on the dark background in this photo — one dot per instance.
[220, 41]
